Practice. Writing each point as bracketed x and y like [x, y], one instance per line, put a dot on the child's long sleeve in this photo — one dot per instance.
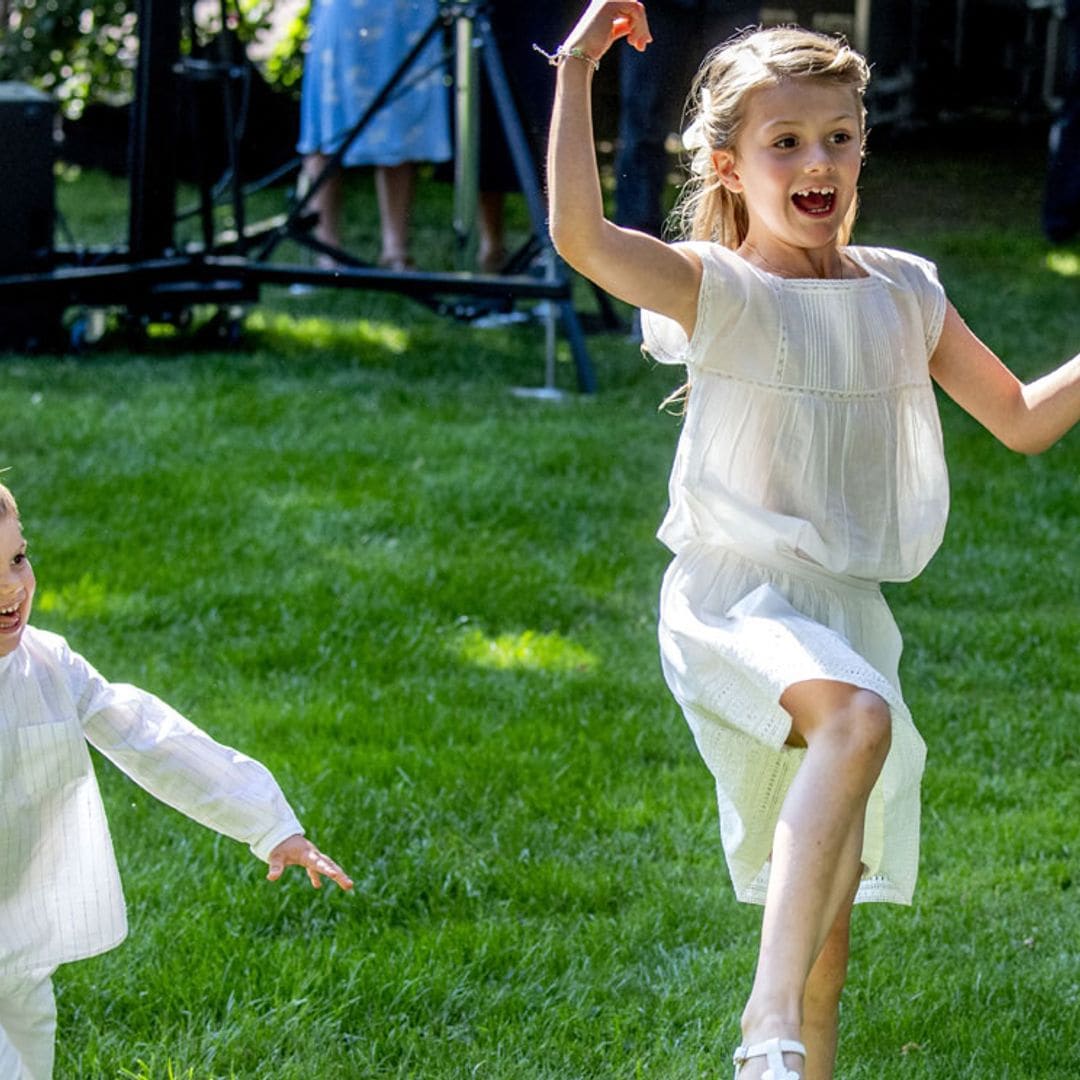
[60, 893]
[181, 765]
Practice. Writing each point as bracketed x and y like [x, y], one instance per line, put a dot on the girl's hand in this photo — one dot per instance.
[604, 22]
[297, 850]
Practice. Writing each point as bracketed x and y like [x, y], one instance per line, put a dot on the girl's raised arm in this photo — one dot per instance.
[633, 266]
[1027, 418]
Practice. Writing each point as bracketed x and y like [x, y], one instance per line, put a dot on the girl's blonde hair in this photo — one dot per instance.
[7, 502]
[754, 58]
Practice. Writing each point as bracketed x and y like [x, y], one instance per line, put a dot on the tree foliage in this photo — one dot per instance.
[76, 50]
[86, 50]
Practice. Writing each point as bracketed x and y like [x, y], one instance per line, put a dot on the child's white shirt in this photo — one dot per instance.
[60, 893]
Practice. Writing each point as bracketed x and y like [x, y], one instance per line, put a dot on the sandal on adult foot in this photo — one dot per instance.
[774, 1050]
[399, 263]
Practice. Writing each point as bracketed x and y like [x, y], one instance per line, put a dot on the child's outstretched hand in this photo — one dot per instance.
[604, 22]
[297, 850]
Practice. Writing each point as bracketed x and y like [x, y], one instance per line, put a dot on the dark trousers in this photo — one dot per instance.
[652, 92]
[1061, 203]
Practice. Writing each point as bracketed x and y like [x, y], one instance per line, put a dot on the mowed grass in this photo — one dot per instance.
[429, 606]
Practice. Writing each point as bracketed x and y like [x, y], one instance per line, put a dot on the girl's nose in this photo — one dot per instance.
[818, 158]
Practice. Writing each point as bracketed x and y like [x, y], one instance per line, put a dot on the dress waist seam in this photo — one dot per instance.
[794, 565]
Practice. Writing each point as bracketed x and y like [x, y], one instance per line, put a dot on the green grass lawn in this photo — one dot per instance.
[429, 606]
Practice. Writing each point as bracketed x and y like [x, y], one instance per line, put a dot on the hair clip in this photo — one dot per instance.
[694, 137]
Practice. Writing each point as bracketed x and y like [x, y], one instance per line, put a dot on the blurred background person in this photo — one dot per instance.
[683, 32]
[1061, 203]
[354, 47]
[516, 26]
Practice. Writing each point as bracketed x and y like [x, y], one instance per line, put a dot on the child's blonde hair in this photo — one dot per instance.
[753, 59]
[7, 502]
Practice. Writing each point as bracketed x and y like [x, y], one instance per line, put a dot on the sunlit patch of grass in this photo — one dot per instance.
[1065, 263]
[528, 651]
[87, 598]
[162, 330]
[143, 1071]
[277, 329]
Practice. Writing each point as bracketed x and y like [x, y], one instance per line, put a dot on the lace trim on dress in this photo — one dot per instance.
[823, 392]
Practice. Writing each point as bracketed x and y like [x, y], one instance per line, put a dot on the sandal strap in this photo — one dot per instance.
[773, 1050]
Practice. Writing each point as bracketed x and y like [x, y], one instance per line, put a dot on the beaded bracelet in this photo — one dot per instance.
[563, 53]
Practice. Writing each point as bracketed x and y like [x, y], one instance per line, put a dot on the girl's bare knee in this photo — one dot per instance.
[869, 725]
[857, 722]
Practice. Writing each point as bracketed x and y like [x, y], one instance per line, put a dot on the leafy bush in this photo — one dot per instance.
[77, 50]
[85, 50]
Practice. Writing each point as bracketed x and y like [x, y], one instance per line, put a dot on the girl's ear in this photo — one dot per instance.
[724, 164]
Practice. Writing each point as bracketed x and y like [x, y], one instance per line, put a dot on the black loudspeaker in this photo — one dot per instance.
[26, 233]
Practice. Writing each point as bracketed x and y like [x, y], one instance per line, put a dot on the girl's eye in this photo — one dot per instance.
[20, 558]
[786, 143]
[842, 137]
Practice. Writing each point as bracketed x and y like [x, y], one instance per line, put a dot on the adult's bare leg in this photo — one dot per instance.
[394, 188]
[492, 252]
[326, 202]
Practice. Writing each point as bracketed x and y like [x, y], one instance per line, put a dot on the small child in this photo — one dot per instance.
[60, 895]
[810, 469]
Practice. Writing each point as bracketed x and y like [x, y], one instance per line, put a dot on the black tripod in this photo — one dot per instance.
[155, 280]
[474, 45]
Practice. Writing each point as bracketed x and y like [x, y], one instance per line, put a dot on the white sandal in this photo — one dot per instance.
[774, 1050]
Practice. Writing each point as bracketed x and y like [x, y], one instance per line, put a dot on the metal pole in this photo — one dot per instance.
[862, 26]
[152, 182]
[467, 140]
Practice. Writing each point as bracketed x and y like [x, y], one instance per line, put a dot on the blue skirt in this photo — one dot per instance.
[354, 48]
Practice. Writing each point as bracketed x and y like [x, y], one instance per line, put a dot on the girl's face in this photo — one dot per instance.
[796, 162]
[16, 584]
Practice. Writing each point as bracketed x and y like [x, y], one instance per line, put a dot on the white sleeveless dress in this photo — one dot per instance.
[810, 469]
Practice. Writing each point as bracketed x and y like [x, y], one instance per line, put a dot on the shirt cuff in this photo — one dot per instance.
[282, 831]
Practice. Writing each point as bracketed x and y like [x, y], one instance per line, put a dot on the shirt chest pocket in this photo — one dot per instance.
[40, 760]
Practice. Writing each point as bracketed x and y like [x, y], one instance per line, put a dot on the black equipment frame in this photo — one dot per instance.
[156, 282]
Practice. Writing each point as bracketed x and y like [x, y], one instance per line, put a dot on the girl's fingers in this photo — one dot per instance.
[604, 22]
[634, 28]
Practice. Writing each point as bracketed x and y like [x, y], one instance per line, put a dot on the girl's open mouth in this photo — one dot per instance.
[818, 202]
[10, 618]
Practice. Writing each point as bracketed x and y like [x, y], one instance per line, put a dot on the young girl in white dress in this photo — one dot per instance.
[809, 470]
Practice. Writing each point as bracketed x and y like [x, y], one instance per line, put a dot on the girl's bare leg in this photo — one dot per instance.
[816, 850]
[821, 998]
[394, 188]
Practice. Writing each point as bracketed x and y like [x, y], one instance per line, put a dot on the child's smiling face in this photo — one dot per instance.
[796, 161]
[16, 584]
